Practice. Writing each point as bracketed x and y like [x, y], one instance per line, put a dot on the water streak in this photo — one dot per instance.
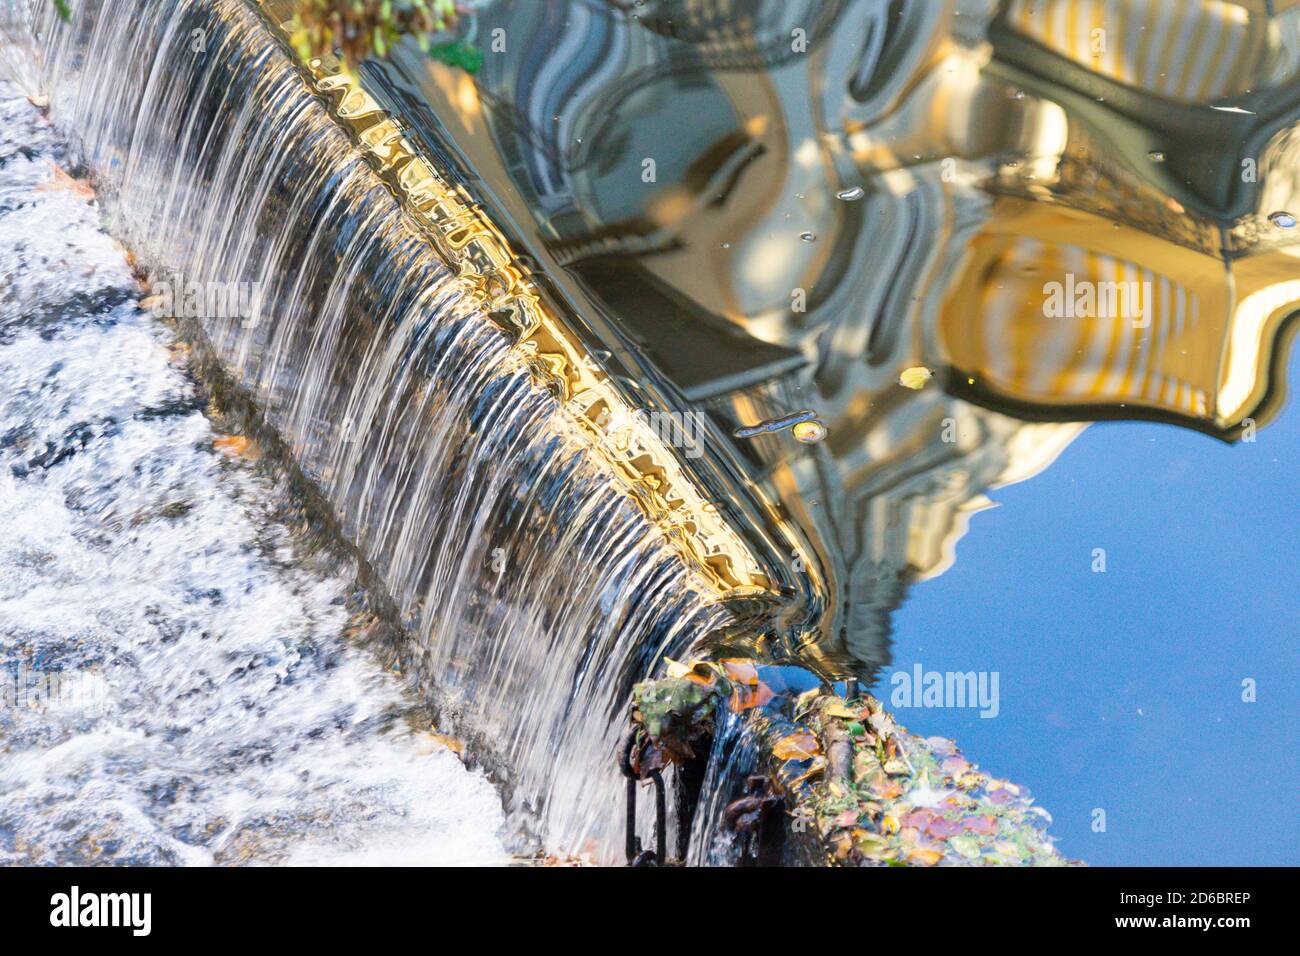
[535, 591]
[174, 683]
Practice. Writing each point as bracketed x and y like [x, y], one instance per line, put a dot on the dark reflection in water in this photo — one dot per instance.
[1065, 211]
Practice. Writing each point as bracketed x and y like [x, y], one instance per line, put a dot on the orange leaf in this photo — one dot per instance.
[747, 698]
[698, 672]
[62, 181]
[798, 746]
[740, 670]
[923, 857]
[451, 743]
[233, 445]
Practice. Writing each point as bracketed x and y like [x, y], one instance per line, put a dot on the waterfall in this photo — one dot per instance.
[531, 588]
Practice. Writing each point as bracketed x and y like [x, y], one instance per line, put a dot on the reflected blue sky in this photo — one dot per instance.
[1123, 690]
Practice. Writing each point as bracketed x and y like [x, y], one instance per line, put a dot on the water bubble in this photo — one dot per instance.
[808, 236]
[1156, 156]
[851, 195]
[1283, 220]
[809, 432]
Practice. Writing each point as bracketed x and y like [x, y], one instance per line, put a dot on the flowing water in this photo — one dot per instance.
[863, 222]
[533, 591]
[176, 683]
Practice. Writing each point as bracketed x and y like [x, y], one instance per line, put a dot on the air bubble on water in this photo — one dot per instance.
[851, 195]
[808, 236]
[1283, 220]
[1156, 156]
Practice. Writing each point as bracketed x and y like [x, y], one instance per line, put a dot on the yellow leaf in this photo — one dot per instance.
[915, 377]
[817, 766]
[839, 709]
[797, 746]
[699, 672]
[923, 857]
[803, 703]
[869, 843]
[677, 668]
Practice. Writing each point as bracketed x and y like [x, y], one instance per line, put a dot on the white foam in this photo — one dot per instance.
[208, 708]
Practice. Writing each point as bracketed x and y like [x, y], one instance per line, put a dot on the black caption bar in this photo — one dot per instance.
[212, 906]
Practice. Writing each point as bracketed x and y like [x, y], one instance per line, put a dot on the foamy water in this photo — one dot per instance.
[178, 688]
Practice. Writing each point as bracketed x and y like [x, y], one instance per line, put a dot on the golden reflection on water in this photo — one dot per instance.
[1065, 209]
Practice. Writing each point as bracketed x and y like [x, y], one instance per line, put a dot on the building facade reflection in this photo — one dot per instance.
[1068, 210]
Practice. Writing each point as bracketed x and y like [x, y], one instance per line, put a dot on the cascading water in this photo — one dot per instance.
[174, 682]
[534, 590]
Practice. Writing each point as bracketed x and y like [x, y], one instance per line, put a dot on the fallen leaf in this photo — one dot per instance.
[817, 766]
[677, 668]
[698, 672]
[915, 377]
[870, 845]
[985, 826]
[923, 857]
[434, 741]
[804, 702]
[1006, 785]
[451, 743]
[847, 819]
[747, 698]
[917, 819]
[235, 446]
[740, 670]
[966, 846]
[943, 828]
[841, 709]
[797, 746]
[955, 766]
[882, 724]
[61, 181]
